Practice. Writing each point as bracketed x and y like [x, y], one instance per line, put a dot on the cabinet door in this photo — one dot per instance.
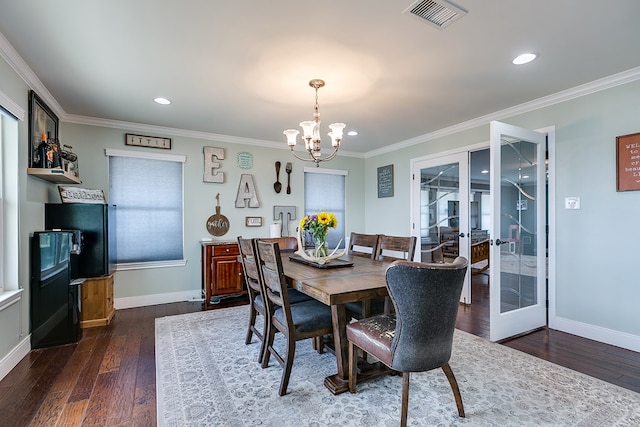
[227, 276]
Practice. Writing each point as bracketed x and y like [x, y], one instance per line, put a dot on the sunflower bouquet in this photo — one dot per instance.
[318, 226]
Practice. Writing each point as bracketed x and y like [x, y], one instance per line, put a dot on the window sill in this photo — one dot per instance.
[154, 264]
[8, 298]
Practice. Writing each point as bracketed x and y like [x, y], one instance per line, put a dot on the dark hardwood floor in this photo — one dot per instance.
[108, 378]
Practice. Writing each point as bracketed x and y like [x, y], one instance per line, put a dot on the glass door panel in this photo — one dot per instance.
[518, 253]
[441, 187]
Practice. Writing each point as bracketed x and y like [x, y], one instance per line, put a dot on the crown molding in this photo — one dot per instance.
[162, 130]
[546, 101]
[9, 54]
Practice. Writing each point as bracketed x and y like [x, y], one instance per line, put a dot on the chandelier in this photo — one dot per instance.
[311, 133]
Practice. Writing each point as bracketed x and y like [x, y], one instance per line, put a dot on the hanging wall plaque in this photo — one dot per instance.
[217, 224]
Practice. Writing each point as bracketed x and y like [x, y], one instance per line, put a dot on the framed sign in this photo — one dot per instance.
[628, 162]
[42, 121]
[147, 141]
[81, 195]
[385, 181]
[253, 221]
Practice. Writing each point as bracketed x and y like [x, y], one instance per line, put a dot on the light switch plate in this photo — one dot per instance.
[572, 202]
[147, 141]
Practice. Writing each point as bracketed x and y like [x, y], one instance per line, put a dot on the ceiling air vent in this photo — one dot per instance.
[438, 13]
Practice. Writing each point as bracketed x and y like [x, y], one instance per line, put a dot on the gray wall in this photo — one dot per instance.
[89, 143]
[596, 284]
[597, 246]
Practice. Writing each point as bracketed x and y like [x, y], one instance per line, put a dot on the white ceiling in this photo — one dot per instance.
[241, 68]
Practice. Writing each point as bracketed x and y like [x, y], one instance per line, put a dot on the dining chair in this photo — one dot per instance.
[419, 336]
[363, 244]
[394, 248]
[254, 289]
[296, 322]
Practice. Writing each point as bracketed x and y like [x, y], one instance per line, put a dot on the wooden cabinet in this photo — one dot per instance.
[221, 271]
[97, 302]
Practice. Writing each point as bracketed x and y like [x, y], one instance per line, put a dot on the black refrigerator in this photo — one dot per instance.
[54, 294]
[98, 242]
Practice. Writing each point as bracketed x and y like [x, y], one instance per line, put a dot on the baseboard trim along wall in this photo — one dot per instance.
[154, 299]
[15, 356]
[597, 333]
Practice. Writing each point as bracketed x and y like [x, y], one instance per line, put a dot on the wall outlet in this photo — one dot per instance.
[572, 202]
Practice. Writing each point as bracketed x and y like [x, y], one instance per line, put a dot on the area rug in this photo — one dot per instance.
[207, 376]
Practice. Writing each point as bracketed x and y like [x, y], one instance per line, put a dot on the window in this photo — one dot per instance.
[9, 237]
[324, 191]
[147, 190]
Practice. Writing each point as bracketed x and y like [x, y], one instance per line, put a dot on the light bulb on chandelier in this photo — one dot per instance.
[311, 133]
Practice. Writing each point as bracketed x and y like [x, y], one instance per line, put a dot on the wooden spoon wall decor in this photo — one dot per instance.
[217, 224]
[277, 185]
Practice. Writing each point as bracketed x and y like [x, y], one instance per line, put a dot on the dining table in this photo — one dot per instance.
[350, 278]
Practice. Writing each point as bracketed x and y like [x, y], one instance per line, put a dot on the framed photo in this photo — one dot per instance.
[42, 120]
[253, 221]
[628, 162]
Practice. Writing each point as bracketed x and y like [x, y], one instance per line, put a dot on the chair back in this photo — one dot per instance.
[426, 298]
[286, 244]
[396, 247]
[249, 266]
[270, 267]
[363, 244]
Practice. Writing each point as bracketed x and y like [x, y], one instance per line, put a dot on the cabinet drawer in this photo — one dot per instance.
[220, 250]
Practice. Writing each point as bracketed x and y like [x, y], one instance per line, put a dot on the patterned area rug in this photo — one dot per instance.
[207, 376]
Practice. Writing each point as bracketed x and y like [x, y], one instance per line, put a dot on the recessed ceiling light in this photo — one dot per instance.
[525, 58]
[484, 171]
[352, 133]
[163, 101]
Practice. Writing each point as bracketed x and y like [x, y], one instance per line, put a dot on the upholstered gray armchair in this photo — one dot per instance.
[419, 336]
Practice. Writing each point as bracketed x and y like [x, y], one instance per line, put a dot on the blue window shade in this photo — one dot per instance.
[148, 194]
[325, 192]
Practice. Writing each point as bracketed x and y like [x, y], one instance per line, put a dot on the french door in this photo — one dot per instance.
[440, 204]
[518, 231]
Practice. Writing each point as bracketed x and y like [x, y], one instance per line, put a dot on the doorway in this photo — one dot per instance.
[503, 292]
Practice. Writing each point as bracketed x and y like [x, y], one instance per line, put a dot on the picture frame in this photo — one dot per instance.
[628, 162]
[385, 181]
[253, 221]
[42, 120]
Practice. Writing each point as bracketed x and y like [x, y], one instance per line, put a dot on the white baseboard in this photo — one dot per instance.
[15, 356]
[143, 300]
[596, 333]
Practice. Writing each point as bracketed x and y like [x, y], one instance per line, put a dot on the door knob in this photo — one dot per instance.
[461, 234]
[499, 242]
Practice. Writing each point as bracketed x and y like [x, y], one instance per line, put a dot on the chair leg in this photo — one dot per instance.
[252, 322]
[265, 334]
[288, 364]
[405, 399]
[454, 387]
[353, 368]
[268, 344]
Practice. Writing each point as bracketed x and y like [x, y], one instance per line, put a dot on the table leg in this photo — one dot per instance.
[339, 383]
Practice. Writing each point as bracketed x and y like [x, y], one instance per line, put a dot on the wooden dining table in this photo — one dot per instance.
[336, 286]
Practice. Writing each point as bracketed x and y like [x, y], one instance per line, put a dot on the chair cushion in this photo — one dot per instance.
[297, 296]
[308, 316]
[374, 335]
[355, 308]
[259, 303]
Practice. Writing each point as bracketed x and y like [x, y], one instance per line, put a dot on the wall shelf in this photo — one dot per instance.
[54, 175]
